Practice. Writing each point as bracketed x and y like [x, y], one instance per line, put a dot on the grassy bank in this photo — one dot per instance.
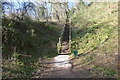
[25, 44]
[95, 31]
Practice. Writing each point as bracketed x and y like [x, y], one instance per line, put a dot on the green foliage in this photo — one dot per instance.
[91, 39]
[24, 43]
[28, 37]
[93, 26]
[95, 32]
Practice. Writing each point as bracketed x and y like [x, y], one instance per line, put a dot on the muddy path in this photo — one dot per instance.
[59, 67]
[62, 66]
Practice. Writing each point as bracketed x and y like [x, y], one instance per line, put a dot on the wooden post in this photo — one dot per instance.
[70, 36]
[59, 45]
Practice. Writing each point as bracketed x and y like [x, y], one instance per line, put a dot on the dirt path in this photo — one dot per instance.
[60, 67]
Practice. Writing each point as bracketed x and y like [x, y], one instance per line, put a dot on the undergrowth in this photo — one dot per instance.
[95, 31]
[93, 25]
[25, 44]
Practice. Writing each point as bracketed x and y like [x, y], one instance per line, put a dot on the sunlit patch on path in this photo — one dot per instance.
[62, 61]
